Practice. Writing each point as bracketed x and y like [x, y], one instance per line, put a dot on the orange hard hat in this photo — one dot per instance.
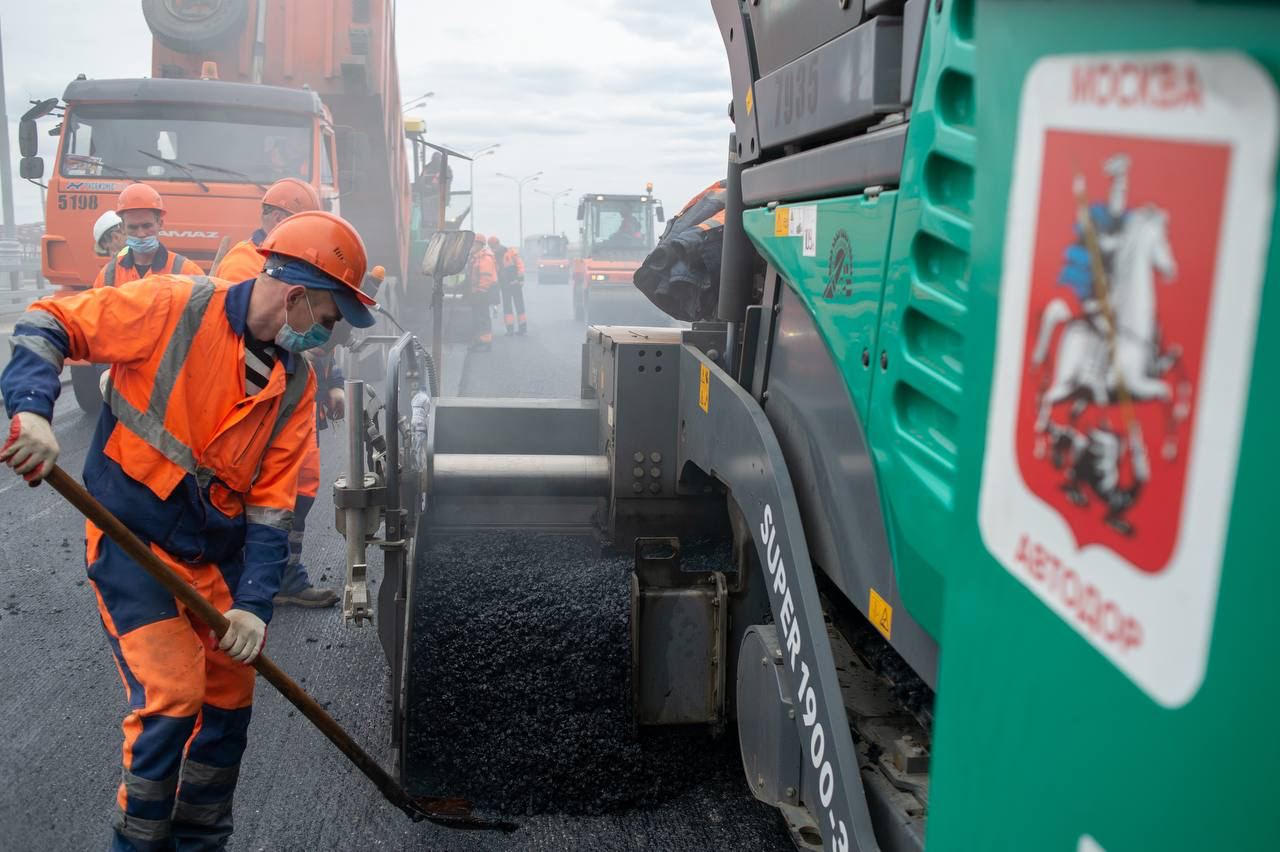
[494, 241]
[139, 196]
[327, 242]
[379, 272]
[292, 195]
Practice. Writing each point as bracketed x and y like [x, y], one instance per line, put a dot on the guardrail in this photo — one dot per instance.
[14, 302]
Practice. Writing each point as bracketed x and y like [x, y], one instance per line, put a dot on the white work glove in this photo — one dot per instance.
[102, 382]
[337, 403]
[31, 449]
[244, 638]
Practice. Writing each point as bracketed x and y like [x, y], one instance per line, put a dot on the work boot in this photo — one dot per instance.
[308, 596]
[524, 328]
[510, 331]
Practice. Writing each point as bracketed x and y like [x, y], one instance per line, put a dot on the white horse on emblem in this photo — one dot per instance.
[1084, 364]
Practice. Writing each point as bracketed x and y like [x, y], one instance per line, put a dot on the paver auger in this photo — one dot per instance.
[1007, 248]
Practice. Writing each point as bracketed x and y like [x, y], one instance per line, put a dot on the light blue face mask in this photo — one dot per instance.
[144, 245]
[293, 340]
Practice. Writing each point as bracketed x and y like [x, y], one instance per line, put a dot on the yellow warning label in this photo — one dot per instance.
[782, 222]
[881, 614]
[751, 100]
[704, 388]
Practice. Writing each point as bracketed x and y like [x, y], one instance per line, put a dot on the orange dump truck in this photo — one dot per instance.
[242, 93]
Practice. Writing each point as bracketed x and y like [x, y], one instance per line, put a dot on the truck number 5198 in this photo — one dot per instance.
[77, 202]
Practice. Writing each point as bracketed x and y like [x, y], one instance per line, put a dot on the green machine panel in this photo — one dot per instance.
[1108, 626]
[831, 253]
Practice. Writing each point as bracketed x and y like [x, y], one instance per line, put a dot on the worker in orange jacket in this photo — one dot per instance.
[243, 261]
[142, 211]
[207, 420]
[511, 281]
[481, 276]
[281, 200]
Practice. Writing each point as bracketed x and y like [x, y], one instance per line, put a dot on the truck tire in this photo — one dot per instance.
[84, 383]
[193, 26]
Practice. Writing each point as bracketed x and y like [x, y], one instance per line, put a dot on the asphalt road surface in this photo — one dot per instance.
[61, 701]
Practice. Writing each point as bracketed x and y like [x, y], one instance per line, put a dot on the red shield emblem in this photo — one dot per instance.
[1125, 251]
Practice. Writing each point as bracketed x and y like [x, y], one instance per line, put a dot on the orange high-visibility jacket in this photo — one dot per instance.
[121, 268]
[512, 267]
[181, 454]
[242, 261]
[482, 271]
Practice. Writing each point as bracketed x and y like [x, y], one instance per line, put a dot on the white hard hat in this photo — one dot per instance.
[105, 223]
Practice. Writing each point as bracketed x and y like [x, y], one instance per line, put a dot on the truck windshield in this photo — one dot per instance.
[621, 227]
[553, 246]
[226, 145]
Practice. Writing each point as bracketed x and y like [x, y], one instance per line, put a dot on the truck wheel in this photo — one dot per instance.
[84, 383]
[193, 26]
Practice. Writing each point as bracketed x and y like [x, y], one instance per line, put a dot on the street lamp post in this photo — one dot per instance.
[554, 196]
[486, 151]
[520, 182]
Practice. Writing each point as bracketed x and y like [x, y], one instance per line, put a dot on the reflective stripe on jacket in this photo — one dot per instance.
[121, 268]
[181, 454]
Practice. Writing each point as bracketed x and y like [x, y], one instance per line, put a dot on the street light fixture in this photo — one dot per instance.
[520, 182]
[418, 101]
[554, 196]
[486, 151]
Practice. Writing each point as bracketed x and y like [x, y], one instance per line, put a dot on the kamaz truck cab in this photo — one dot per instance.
[617, 232]
[210, 148]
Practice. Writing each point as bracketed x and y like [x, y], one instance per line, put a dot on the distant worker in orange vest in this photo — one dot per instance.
[481, 278]
[282, 199]
[142, 211]
[511, 281]
[244, 261]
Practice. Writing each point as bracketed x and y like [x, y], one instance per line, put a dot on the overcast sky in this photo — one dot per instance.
[600, 95]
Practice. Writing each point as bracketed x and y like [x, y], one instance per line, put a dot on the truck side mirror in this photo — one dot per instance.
[582, 211]
[447, 253]
[31, 168]
[28, 143]
[662, 217]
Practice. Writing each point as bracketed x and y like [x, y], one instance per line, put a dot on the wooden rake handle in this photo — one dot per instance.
[446, 811]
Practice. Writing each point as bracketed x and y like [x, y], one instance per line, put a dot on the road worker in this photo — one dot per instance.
[142, 212]
[511, 281]
[108, 234]
[296, 588]
[629, 233]
[481, 276]
[242, 262]
[207, 421]
[281, 200]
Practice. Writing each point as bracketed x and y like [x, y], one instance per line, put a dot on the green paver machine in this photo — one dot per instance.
[989, 433]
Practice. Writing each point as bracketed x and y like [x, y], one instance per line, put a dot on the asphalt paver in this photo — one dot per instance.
[61, 701]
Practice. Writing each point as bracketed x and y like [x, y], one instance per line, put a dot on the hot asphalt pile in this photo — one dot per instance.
[522, 681]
